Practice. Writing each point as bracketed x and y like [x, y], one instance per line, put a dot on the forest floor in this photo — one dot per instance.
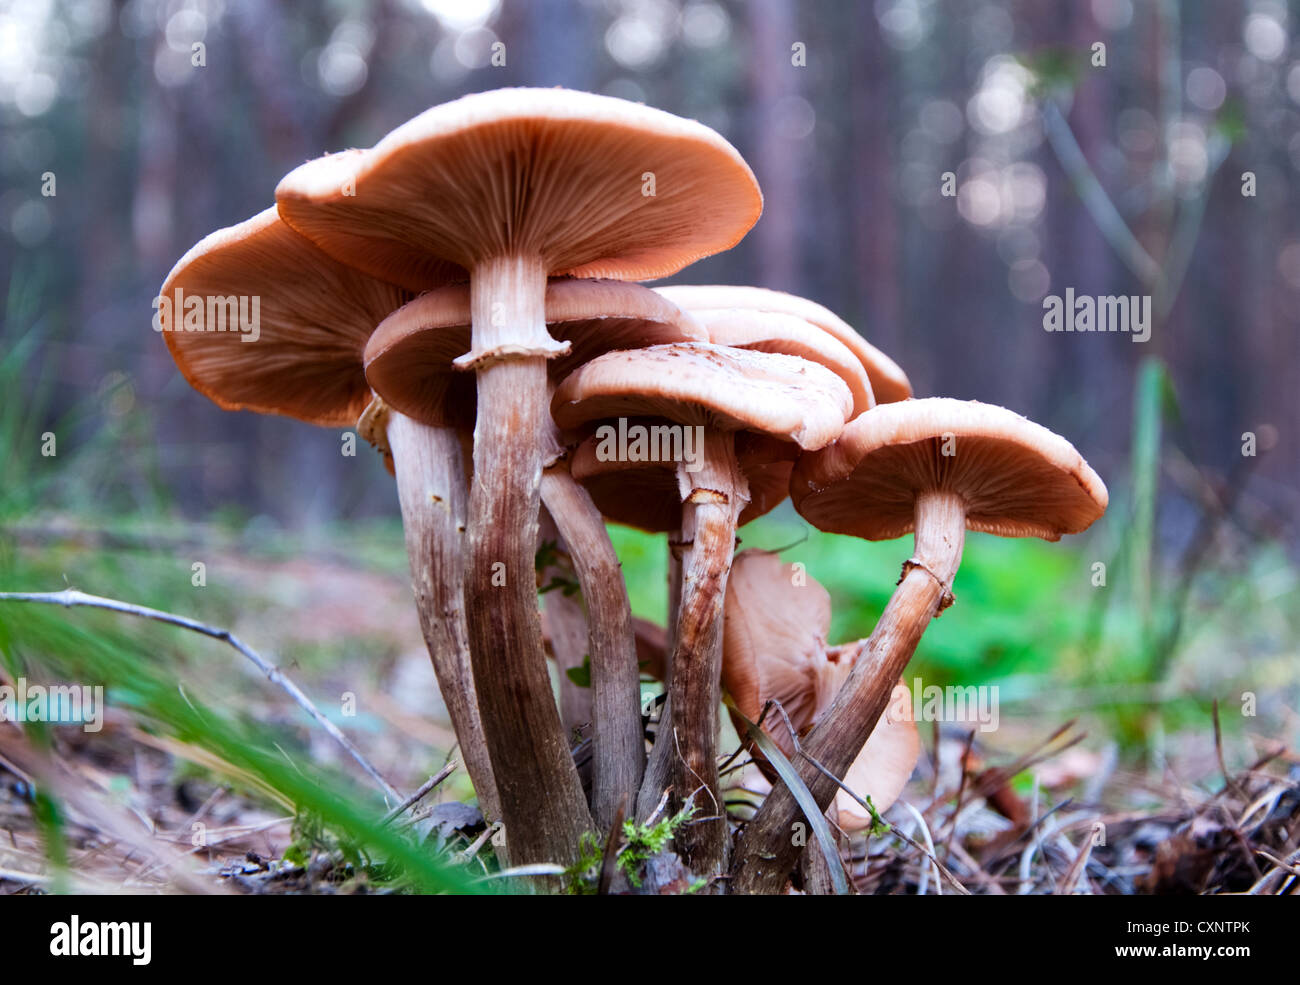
[1042, 805]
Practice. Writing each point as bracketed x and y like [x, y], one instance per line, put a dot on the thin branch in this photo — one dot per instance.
[1187, 228]
[71, 597]
[471, 853]
[420, 794]
[1094, 197]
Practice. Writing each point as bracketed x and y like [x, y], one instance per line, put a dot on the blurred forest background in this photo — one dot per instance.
[150, 153]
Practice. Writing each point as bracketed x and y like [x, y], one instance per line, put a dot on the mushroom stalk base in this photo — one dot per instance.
[618, 748]
[542, 804]
[685, 753]
[430, 469]
[766, 853]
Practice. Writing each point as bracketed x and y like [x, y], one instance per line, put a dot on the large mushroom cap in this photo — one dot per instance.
[645, 494]
[411, 355]
[595, 186]
[696, 383]
[767, 331]
[888, 381]
[314, 316]
[1016, 478]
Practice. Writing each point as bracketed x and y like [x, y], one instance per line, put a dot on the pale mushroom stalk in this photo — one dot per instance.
[765, 853]
[564, 625]
[685, 753]
[541, 796]
[566, 629]
[674, 583]
[431, 490]
[618, 749]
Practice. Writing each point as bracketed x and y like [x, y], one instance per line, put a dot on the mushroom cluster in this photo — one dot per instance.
[466, 293]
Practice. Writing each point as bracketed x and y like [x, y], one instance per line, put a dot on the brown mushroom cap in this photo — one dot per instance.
[774, 647]
[1016, 478]
[767, 331]
[884, 765]
[697, 383]
[410, 357]
[646, 495]
[888, 381]
[547, 172]
[774, 641]
[314, 317]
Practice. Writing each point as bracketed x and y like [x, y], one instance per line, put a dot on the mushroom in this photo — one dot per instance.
[564, 629]
[888, 382]
[565, 635]
[314, 316]
[933, 467]
[644, 494]
[710, 391]
[766, 331]
[885, 764]
[410, 362]
[512, 186]
[774, 648]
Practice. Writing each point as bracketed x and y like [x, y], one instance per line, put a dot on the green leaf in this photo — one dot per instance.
[1054, 70]
[567, 586]
[1231, 122]
[580, 676]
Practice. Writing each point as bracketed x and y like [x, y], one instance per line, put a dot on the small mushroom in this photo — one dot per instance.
[411, 362]
[512, 186]
[888, 382]
[644, 494]
[774, 648]
[933, 467]
[314, 318]
[717, 391]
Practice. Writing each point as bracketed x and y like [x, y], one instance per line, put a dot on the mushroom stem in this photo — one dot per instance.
[685, 752]
[674, 588]
[765, 853]
[542, 805]
[565, 625]
[618, 748]
[430, 470]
